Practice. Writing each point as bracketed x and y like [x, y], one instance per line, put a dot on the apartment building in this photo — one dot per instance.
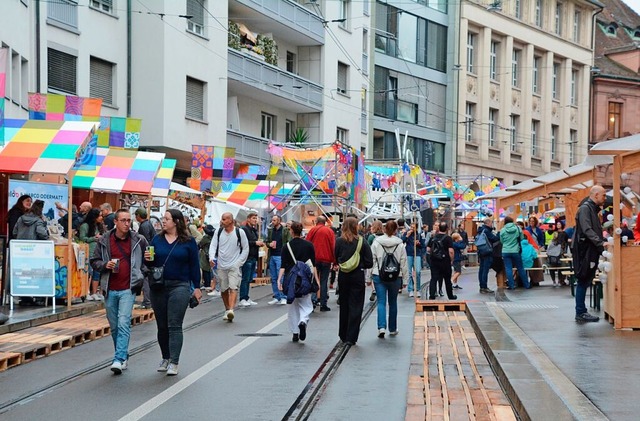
[234, 73]
[524, 83]
[414, 44]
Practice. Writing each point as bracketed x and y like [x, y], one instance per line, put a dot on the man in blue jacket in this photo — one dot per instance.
[486, 260]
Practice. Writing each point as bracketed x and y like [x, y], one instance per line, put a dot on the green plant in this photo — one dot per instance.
[270, 49]
[234, 35]
[298, 137]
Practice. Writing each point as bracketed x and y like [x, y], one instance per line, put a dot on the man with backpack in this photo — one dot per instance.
[441, 249]
[484, 245]
[228, 252]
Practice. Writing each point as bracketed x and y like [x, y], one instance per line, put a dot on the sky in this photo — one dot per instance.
[634, 4]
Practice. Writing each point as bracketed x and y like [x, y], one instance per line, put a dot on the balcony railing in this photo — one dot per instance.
[364, 127]
[63, 11]
[255, 72]
[290, 14]
[249, 149]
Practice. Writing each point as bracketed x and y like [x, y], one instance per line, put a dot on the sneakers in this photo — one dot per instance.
[213, 293]
[586, 317]
[295, 337]
[162, 367]
[372, 297]
[226, 316]
[230, 315]
[141, 307]
[440, 293]
[381, 332]
[303, 331]
[116, 367]
[411, 294]
[274, 301]
[282, 301]
[245, 303]
[98, 297]
[456, 286]
[486, 291]
[172, 369]
[394, 333]
[90, 298]
[325, 308]
[453, 297]
[251, 302]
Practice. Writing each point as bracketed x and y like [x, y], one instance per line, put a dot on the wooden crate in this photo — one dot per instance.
[9, 359]
[435, 305]
[265, 280]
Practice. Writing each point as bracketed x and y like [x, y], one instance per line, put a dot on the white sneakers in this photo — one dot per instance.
[251, 302]
[411, 294]
[274, 301]
[247, 303]
[172, 369]
[95, 297]
[162, 367]
[118, 367]
[282, 301]
[213, 293]
[381, 332]
[229, 316]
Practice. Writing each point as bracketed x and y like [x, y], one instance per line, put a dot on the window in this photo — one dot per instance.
[365, 9]
[195, 99]
[615, 112]
[493, 60]
[535, 125]
[471, 42]
[195, 9]
[577, 17]
[386, 29]
[101, 80]
[363, 111]
[558, 18]
[343, 78]
[292, 62]
[102, 5]
[365, 51]
[268, 129]
[554, 81]
[538, 13]
[342, 135]
[408, 37]
[468, 121]
[344, 13]
[436, 50]
[536, 75]
[289, 128]
[515, 69]
[61, 72]
[573, 141]
[25, 82]
[64, 12]
[554, 142]
[574, 87]
[513, 129]
[518, 9]
[493, 117]
[440, 5]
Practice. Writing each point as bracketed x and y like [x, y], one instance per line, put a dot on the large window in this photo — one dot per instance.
[292, 62]
[195, 9]
[554, 142]
[514, 120]
[344, 13]
[538, 13]
[493, 60]
[493, 118]
[577, 18]
[342, 135]
[554, 81]
[64, 12]
[574, 87]
[573, 141]
[61, 74]
[615, 123]
[518, 9]
[470, 110]
[558, 18]
[386, 29]
[268, 126]
[408, 37]
[535, 127]
[515, 68]
[343, 78]
[195, 99]
[471, 43]
[436, 46]
[101, 80]
[102, 5]
[536, 75]
[289, 128]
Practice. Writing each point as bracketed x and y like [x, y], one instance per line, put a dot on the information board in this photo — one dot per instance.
[32, 268]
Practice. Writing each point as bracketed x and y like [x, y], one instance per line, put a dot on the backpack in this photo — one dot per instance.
[354, 261]
[483, 245]
[390, 268]
[299, 278]
[437, 249]
[218, 243]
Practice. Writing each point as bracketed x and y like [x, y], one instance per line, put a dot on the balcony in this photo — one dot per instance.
[285, 19]
[250, 76]
[249, 149]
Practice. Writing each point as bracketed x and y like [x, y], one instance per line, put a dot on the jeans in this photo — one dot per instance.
[384, 290]
[418, 266]
[274, 268]
[581, 296]
[170, 305]
[323, 274]
[119, 305]
[511, 260]
[248, 269]
[440, 271]
[483, 273]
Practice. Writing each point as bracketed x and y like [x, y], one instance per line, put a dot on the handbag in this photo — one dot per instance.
[354, 261]
[156, 282]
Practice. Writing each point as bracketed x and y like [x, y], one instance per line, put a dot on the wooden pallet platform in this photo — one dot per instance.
[449, 375]
[439, 305]
[9, 359]
[265, 280]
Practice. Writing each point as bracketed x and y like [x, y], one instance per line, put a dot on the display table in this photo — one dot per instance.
[625, 311]
[79, 272]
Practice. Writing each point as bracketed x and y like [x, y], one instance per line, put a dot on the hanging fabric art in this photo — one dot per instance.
[223, 162]
[63, 107]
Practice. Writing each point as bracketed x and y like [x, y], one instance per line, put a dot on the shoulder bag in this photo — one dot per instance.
[354, 261]
[156, 281]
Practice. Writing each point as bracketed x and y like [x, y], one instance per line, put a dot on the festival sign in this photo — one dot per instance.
[32, 268]
[49, 193]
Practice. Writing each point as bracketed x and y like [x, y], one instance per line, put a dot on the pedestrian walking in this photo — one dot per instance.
[277, 235]
[415, 245]
[177, 253]
[354, 256]
[145, 228]
[511, 237]
[441, 249]
[298, 250]
[324, 244]
[555, 252]
[89, 233]
[377, 229]
[250, 228]
[118, 257]
[486, 258]
[387, 287]
[228, 252]
[458, 247]
[588, 244]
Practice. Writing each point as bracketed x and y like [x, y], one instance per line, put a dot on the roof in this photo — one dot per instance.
[618, 13]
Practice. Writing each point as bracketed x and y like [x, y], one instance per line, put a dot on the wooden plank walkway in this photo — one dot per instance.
[24, 346]
[450, 377]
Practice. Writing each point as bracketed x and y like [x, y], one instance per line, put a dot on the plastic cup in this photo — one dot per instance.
[116, 268]
[152, 253]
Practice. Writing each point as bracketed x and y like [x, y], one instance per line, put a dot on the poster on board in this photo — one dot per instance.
[49, 193]
[32, 268]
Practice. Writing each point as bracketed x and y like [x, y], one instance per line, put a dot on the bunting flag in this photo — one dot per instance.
[4, 54]
[119, 132]
[63, 107]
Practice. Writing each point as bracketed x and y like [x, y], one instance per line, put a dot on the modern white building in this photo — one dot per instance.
[524, 81]
[191, 70]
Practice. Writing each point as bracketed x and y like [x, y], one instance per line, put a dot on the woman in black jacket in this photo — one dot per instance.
[20, 208]
[351, 284]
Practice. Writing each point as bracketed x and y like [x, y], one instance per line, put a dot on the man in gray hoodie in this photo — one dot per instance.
[510, 237]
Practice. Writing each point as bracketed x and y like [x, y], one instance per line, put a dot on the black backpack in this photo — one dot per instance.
[390, 268]
[237, 235]
[438, 251]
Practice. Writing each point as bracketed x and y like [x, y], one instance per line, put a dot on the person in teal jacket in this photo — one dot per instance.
[511, 237]
[529, 254]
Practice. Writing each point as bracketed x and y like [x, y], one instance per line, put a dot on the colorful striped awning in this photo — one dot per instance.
[49, 147]
[121, 170]
[163, 179]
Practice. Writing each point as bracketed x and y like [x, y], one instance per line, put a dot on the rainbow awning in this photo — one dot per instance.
[49, 147]
[121, 170]
[162, 183]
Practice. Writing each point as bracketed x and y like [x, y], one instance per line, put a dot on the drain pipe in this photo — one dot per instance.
[128, 58]
[38, 46]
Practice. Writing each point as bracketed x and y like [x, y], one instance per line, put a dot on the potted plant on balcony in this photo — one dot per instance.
[299, 137]
[269, 48]
[234, 35]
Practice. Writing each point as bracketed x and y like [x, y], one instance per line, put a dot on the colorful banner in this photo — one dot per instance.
[119, 132]
[223, 162]
[201, 162]
[162, 182]
[252, 172]
[88, 155]
[49, 193]
[63, 107]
